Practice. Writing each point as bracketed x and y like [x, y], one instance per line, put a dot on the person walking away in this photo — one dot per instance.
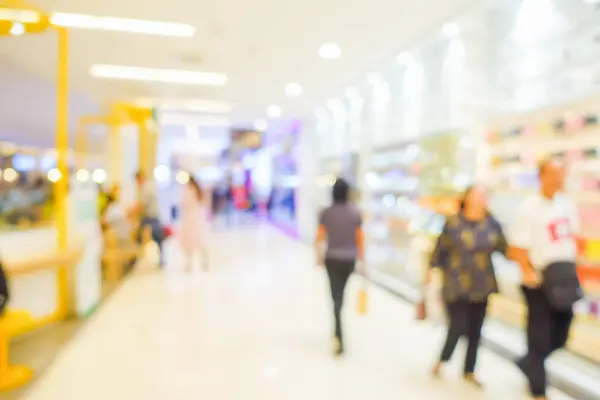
[194, 218]
[544, 238]
[339, 244]
[148, 211]
[464, 253]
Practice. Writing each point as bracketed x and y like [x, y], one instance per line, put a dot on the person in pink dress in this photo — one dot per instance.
[194, 218]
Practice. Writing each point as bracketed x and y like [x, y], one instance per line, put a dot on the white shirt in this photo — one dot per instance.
[547, 229]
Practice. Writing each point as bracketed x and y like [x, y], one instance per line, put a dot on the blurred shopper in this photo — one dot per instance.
[148, 211]
[544, 243]
[115, 216]
[463, 252]
[339, 244]
[194, 220]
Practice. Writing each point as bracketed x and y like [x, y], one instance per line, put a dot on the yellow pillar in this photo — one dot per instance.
[62, 147]
[144, 146]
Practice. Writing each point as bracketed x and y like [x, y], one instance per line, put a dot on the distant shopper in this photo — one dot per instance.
[339, 244]
[194, 219]
[544, 243]
[114, 216]
[463, 252]
[148, 210]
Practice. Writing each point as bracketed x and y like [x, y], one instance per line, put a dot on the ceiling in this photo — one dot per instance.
[260, 45]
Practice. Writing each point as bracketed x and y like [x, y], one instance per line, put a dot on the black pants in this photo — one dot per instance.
[466, 319]
[338, 272]
[547, 331]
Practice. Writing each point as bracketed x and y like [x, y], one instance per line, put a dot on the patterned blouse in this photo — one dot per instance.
[463, 251]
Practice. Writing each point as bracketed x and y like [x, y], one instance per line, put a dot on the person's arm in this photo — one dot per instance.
[502, 243]
[320, 238]
[441, 252]
[519, 245]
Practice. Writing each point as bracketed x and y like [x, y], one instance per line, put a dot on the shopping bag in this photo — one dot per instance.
[421, 310]
[362, 301]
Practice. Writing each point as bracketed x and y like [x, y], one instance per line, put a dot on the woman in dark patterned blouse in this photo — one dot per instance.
[463, 252]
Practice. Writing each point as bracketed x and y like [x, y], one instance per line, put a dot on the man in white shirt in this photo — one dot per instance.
[545, 231]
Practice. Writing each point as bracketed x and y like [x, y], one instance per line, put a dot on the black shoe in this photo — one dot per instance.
[338, 347]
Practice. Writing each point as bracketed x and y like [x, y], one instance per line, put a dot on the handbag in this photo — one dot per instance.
[561, 285]
[362, 300]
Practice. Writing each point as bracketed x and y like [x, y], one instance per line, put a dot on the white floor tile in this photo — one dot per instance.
[256, 326]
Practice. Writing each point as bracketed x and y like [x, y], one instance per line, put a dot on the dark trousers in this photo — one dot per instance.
[338, 272]
[547, 331]
[465, 319]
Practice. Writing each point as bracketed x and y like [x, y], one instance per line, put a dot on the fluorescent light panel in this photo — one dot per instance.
[22, 16]
[183, 104]
[82, 21]
[183, 77]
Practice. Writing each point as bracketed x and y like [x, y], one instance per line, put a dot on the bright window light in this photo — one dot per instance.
[162, 173]
[261, 125]
[83, 175]
[22, 16]
[17, 29]
[293, 89]
[171, 118]
[451, 30]
[183, 104]
[54, 175]
[10, 175]
[182, 177]
[184, 77]
[330, 51]
[81, 21]
[99, 176]
[274, 111]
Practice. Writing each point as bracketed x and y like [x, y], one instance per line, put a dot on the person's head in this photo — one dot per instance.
[473, 200]
[551, 173]
[140, 177]
[341, 191]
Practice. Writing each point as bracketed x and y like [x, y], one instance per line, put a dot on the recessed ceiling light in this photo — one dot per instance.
[405, 58]
[17, 29]
[293, 89]
[274, 111]
[451, 30]
[261, 125]
[330, 51]
[158, 75]
[82, 21]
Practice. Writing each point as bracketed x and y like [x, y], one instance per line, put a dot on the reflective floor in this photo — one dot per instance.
[256, 326]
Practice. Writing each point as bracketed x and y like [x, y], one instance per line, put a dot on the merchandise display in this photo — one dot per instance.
[516, 149]
[411, 187]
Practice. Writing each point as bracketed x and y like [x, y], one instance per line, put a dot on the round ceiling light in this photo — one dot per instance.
[330, 51]
[274, 111]
[451, 30]
[293, 89]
